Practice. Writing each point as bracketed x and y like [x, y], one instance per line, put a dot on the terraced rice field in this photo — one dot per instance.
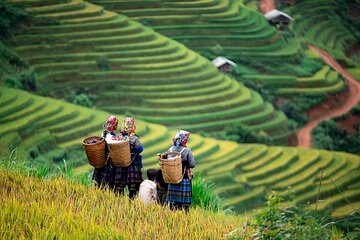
[325, 80]
[76, 45]
[321, 25]
[204, 24]
[243, 173]
[228, 28]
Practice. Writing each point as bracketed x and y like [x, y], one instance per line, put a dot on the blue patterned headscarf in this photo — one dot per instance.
[181, 138]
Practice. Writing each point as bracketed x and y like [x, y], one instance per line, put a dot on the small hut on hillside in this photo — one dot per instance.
[224, 64]
[278, 18]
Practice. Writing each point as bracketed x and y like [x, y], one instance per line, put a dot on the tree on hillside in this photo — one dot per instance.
[10, 20]
[241, 134]
[328, 135]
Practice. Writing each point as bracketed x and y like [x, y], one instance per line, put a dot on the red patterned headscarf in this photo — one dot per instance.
[128, 126]
[181, 138]
[111, 123]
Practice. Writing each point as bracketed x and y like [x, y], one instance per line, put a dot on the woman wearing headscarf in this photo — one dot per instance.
[179, 196]
[102, 176]
[130, 176]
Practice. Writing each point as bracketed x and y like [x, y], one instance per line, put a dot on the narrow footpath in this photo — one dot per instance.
[304, 134]
[327, 109]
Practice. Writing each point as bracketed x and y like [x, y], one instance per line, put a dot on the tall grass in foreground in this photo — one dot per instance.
[35, 208]
[20, 164]
[204, 194]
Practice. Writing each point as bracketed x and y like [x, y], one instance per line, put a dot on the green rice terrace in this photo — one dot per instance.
[329, 25]
[230, 29]
[332, 26]
[132, 68]
[243, 173]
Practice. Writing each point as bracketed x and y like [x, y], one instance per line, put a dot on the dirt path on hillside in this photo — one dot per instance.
[336, 109]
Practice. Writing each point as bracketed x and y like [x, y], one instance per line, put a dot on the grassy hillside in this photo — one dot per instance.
[77, 47]
[39, 209]
[31, 210]
[48, 130]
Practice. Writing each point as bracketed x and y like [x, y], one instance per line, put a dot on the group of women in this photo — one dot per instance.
[178, 196]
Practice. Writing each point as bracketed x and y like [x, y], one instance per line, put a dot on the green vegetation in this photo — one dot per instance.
[231, 29]
[329, 135]
[286, 222]
[130, 68]
[339, 28]
[83, 100]
[96, 58]
[26, 80]
[46, 131]
[11, 18]
[14, 71]
[204, 194]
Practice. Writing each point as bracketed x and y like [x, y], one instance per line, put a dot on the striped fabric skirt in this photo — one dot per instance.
[127, 175]
[180, 193]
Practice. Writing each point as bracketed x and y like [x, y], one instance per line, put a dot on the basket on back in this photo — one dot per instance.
[120, 153]
[171, 167]
[95, 151]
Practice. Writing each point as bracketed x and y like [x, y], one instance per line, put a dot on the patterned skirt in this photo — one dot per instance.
[180, 193]
[127, 175]
[102, 176]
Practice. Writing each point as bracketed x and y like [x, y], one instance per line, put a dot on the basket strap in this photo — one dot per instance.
[182, 151]
[133, 158]
[109, 159]
[171, 150]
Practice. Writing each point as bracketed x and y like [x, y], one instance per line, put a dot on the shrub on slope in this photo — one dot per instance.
[331, 136]
[14, 71]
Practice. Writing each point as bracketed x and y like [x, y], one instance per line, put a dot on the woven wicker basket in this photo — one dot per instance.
[171, 168]
[95, 152]
[120, 153]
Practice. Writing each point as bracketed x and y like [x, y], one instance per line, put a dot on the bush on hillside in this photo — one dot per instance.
[241, 134]
[294, 113]
[306, 101]
[11, 57]
[328, 135]
[10, 19]
[204, 194]
[26, 80]
[103, 63]
[266, 93]
[350, 22]
[83, 100]
[356, 110]
[277, 221]
[310, 66]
